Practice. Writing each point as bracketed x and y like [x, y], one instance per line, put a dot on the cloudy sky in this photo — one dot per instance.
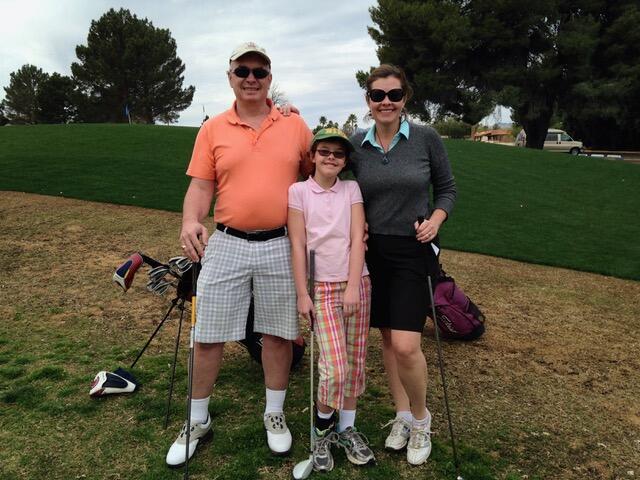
[315, 47]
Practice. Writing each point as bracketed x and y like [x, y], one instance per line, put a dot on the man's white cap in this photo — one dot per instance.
[248, 47]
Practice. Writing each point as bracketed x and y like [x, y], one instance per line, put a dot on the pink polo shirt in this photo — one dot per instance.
[327, 218]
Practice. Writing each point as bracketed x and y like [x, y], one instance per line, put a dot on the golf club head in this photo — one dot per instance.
[179, 265]
[124, 274]
[158, 272]
[105, 383]
[159, 287]
[303, 469]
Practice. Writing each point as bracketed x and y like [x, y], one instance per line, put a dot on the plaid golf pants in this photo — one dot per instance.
[342, 341]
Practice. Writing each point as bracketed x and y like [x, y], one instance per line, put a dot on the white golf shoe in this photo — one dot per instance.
[399, 435]
[176, 456]
[419, 446]
[278, 434]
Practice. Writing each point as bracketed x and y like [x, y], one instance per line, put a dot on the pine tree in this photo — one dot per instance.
[130, 64]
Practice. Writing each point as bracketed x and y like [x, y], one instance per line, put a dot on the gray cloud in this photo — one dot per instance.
[315, 47]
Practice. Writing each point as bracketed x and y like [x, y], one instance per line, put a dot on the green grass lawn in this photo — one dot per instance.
[540, 207]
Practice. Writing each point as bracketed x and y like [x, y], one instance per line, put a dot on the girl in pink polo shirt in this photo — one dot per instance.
[327, 215]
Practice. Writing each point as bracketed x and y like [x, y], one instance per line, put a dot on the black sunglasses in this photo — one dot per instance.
[339, 154]
[243, 72]
[378, 95]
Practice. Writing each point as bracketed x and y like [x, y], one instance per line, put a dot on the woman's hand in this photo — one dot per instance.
[427, 230]
[287, 109]
[351, 300]
[305, 307]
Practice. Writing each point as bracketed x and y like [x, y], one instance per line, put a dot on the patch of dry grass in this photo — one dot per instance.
[550, 391]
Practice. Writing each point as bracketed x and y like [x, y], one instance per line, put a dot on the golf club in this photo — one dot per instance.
[125, 273]
[173, 368]
[444, 382]
[304, 468]
[194, 277]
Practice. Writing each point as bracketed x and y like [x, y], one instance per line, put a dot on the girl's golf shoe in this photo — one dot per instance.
[322, 458]
[356, 446]
[199, 433]
[278, 434]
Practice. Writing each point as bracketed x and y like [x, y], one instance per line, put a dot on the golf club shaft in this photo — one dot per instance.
[191, 355]
[173, 367]
[173, 304]
[442, 376]
[312, 276]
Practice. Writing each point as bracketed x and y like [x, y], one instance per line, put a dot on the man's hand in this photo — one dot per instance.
[193, 238]
[351, 300]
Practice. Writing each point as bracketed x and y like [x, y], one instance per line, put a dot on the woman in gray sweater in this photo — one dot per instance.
[396, 163]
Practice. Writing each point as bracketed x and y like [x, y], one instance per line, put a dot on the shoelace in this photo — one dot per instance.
[419, 437]
[396, 424]
[322, 444]
[358, 439]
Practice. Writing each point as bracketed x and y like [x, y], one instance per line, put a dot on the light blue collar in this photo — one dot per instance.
[371, 136]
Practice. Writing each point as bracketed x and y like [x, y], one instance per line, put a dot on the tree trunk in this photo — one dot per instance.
[534, 118]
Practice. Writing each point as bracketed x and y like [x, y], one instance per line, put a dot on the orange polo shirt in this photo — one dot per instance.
[252, 169]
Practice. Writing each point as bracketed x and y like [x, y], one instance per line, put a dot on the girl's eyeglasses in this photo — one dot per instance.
[339, 154]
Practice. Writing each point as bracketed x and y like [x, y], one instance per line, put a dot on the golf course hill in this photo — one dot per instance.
[534, 206]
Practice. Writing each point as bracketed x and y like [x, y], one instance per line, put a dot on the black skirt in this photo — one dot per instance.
[399, 266]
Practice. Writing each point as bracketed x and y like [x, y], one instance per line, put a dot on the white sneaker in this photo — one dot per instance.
[399, 435]
[419, 446]
[278, 434]
[176, 456]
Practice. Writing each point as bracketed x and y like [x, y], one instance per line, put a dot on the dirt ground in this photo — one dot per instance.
[556, 378]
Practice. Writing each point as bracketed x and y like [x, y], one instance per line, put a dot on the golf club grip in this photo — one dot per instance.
[194, 289]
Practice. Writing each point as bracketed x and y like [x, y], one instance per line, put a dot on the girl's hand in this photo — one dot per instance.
[305, 307]
[426, 231]
[351, 300]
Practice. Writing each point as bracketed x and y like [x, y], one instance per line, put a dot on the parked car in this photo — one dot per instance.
[561, 141]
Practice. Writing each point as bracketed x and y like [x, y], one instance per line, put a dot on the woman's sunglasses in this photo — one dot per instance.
[243, 72]
[377, 95]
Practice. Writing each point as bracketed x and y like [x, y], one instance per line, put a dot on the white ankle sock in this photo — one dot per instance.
[325, 416]
[199, 410]
[424, 421]
[405, 415]
[275, 401]
[347, 419]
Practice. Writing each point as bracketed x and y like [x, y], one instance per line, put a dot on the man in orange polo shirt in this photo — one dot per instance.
[248, 156]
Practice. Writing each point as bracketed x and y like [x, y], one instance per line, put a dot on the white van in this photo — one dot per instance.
[560, 141]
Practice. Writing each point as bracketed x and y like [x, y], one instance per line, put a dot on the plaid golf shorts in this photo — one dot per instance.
[342, 341]
[229, 268]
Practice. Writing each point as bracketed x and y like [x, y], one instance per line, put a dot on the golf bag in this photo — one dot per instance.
[458, 318]
[177, 273]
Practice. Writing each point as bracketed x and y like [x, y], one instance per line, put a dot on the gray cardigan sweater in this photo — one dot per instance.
[395, 185]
